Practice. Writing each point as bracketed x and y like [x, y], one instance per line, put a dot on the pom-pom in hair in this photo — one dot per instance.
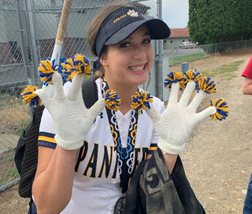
[79, 64]
[29, 97]
[140, 101]
[221, 109]
[192, 75]
[206, 84]
[112, 100]
[46, 69]
[174, 77]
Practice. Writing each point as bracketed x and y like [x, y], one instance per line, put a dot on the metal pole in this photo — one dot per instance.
[159, 65]
[9, 185]
[184, 67]
[23, 41]
[34, 49]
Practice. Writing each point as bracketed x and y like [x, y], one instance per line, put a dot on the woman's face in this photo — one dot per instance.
[128, 63]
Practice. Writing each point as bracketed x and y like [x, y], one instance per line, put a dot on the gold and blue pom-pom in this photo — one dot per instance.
[82, 65]
[112, 100]
[79, 64]
[221, 109]
[29, 97]
[140, 101]
[206, 84]
[68, 69]
[46, 69]
[192, 75]
[175, 77]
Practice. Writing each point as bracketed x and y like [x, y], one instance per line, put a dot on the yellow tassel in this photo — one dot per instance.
[112, 100]
[29, 97]
[140, 101]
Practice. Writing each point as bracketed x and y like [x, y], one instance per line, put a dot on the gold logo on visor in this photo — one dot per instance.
[132, 13]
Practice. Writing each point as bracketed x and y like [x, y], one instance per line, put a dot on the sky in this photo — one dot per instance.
[175, 13]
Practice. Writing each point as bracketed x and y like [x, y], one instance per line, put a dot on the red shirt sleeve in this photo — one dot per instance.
[248, 70]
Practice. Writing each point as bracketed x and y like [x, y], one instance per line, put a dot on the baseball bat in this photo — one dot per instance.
[61, 30]
[59, 38]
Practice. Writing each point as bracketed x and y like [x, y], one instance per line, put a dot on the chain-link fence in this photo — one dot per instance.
[178, 55]
[27, 35]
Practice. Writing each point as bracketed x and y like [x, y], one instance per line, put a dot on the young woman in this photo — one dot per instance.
[86, 157]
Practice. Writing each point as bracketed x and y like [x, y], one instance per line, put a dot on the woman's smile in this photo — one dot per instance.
[138, 69]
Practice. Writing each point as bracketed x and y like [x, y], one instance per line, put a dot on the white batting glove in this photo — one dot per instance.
[71, 118]
[176, 123]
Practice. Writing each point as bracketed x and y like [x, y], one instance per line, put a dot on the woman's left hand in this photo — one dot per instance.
[176, 123]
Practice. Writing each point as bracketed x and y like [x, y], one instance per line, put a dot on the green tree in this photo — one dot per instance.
[215, 21]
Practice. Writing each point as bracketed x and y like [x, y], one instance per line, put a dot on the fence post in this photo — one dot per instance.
[33, 46]
[184, 67]
[23, 41]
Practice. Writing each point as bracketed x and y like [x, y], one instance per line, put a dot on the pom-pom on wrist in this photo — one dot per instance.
[140, 101]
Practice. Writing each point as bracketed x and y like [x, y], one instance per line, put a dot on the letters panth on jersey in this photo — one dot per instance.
[96, 186]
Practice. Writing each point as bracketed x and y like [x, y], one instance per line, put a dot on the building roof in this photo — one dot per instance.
[179, 32]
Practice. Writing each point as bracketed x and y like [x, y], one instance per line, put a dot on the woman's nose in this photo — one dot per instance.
[139, 52]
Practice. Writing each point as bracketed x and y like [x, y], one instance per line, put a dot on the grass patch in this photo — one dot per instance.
[9, 175]
[226, 70]
[8, 170]
[186, 58]
[14, 116]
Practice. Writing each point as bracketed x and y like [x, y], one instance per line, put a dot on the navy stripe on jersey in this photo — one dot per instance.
[46, 139]
[152, 148]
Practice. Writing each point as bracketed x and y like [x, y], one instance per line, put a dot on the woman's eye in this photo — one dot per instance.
[124, 45]
[146, 41]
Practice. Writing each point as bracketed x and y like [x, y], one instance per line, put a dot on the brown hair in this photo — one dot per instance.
[95, 25]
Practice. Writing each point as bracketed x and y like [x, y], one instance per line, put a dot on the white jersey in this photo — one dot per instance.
[96, 180]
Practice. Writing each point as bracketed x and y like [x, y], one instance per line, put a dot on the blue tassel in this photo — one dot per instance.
[46, 69]
[29, 97]
[206, 84]
[221, 109]
[140, 101]
[112, 100]
[79, 64]
[192, 75]
[175, 77]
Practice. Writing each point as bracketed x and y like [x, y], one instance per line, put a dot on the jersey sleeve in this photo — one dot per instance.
[248, 70]
[46, 131]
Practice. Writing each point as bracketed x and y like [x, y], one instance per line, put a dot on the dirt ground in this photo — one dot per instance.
[218, 155]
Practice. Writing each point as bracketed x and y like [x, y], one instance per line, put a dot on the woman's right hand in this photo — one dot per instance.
[71, 118]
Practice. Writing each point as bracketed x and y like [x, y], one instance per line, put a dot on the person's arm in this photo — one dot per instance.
[52, 187]
[170, 161]
[247, 86]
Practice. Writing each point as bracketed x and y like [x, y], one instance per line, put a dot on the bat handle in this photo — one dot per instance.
[61, 30]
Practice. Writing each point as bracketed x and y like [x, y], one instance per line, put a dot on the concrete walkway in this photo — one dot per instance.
[8, 142]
